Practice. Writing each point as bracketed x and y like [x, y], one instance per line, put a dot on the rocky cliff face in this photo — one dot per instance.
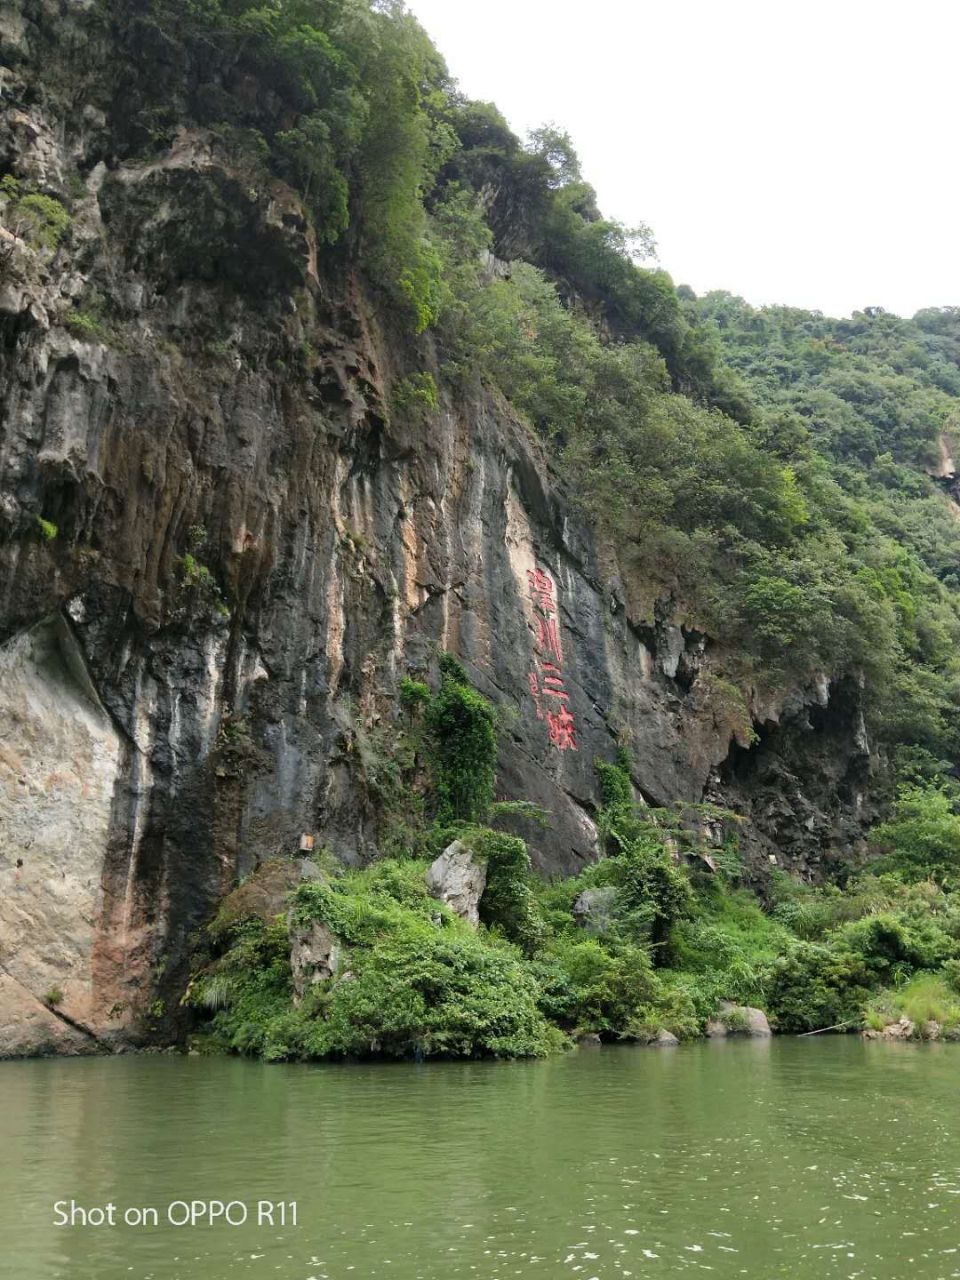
[222, 544]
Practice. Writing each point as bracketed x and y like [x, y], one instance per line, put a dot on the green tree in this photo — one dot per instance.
[922, 838]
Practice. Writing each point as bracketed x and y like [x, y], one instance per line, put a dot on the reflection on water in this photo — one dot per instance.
[796, 1158]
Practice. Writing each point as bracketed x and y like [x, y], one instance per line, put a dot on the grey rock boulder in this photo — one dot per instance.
[902, 1030]
[738, 1020]
[665, 1039]
[660, 1038]
[310, 871]
[315, 954]
[595, 909]
[458, 879]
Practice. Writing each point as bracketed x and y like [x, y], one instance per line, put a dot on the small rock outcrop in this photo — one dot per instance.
[594, 909]
[315, 954]
[738, 1020]
[903, 1029]
[656, 1038]
[458, 879]
[665, 1039]
[263, 894]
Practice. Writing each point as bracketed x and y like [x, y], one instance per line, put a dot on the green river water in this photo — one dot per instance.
[823, 1157]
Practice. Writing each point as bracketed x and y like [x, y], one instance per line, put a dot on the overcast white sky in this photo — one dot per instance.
[790, 152]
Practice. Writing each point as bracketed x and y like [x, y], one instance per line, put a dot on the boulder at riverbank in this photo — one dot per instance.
[738, 1020]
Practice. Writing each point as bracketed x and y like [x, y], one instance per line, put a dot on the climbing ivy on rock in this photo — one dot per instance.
[461, 724]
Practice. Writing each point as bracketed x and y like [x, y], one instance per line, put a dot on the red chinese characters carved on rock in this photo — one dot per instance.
[546, 682]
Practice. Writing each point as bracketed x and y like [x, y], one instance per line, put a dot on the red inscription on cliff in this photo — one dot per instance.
[546, 681]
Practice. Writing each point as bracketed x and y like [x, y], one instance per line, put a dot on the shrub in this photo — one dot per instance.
[40, 220]
[813, 987]
[590, 987]
[652, 888]
[82, 324]
[923, 836]
[201, 582]
[508, 902]
[892, 943]
[420, 991]
[462, 728]
[414, 693]
[728, 942]
[250, 986]
[416, 395]
[951, 975]
[674, 1009]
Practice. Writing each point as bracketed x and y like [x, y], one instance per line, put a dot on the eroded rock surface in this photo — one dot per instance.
[315, 955]
[61, 758]
[458, 879]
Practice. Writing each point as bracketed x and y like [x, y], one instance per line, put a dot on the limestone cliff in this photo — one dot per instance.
[222, 545]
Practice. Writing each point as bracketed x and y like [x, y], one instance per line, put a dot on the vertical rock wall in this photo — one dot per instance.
[221, 549]
[61, 758]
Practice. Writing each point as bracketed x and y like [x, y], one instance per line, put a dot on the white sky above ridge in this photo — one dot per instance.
[795, 153]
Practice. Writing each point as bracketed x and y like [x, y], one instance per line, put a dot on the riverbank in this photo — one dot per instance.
[453, 948]
[410, 959]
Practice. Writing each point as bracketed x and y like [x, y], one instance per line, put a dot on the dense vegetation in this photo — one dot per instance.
[647, 940]
[862, 408]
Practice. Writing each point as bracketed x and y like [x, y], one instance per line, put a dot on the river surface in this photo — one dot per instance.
[823, 1157]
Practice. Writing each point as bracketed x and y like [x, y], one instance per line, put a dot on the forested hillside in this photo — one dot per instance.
[769, 469]
[867, 411]
[311, 367]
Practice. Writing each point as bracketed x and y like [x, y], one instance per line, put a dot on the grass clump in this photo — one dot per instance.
[83, 324]
[927, 998]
